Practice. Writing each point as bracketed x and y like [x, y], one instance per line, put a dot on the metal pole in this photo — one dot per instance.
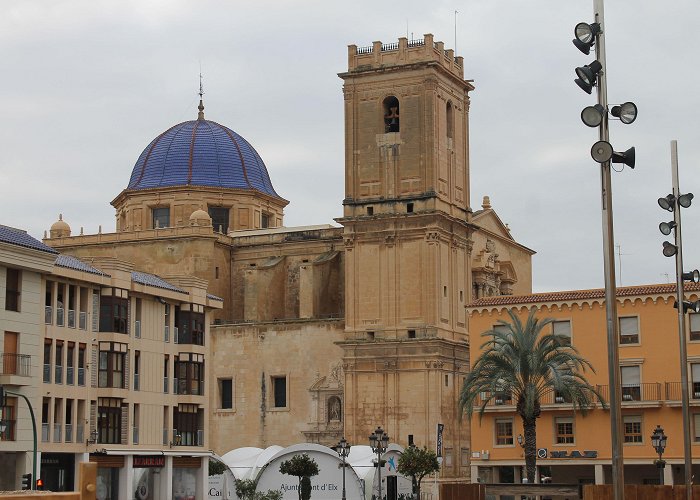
[344, 497]
[609, 270]
[31, 414]
[661, 470]
[681, 323]
[379, 469]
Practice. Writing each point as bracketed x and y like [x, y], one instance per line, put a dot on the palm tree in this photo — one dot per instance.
[522, 361]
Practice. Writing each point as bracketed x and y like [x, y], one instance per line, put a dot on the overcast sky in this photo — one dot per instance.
[88, 84]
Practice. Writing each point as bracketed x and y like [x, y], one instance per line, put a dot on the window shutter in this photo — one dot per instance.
[562, 328]
[95, 311]
[695, 372]
[126, 369]
[94, 367]
[630, 375]
[124, 425]
[93, 417]
[128, 316]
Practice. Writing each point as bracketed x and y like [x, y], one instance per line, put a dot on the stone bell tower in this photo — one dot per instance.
[408, 240]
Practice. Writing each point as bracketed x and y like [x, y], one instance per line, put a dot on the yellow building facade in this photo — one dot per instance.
[574, 448]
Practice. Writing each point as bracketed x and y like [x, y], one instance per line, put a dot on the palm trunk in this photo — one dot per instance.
[529, 428]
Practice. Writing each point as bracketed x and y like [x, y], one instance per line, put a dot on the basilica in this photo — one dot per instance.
[327, 331]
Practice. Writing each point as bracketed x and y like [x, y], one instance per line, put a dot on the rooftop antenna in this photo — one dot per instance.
[456, 32]
[200, 116]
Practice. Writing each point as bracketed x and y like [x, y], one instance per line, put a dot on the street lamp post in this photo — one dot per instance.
[343, 450]
[379, 441]
[658, 441]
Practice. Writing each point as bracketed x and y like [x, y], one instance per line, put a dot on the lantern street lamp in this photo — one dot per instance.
[658, 441]
[378, 441]
[343, 450]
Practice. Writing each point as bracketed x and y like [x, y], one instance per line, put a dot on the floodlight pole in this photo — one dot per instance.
[685, 397]
[615, 392]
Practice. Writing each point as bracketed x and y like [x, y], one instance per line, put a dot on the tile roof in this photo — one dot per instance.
[214, 297]
[70, 262]
[154, 281]
[596, 293]
[22, 239]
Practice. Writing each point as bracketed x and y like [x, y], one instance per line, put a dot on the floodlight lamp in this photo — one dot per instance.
[692, 306]
[627, 157]
[601, 151]
[592, 116]
[693, 276]
[666, 227]
[667, 202]
[685, 200]
[585, 33]
[669, 249]
[626, 112]
[584, 86]
[587, 74]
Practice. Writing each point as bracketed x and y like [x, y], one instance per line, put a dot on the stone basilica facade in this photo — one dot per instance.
[330, 331]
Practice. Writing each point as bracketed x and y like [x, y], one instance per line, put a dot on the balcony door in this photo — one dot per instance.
[9, 365]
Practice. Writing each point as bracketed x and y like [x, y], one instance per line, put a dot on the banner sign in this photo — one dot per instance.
[440, 428]
[149, 461]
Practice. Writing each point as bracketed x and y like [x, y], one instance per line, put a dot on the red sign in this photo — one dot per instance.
[149, 461]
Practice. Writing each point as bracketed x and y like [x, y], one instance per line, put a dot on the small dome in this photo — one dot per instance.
[200, 218]
[201, 153]
[60, 228]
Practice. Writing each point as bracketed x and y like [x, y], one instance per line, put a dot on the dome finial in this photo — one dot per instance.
[200, 116]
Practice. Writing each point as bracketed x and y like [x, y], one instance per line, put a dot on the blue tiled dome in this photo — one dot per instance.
[201, 153]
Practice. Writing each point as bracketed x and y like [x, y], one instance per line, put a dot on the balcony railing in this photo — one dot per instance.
[137, 386]
[69, 433]
[176, 334]
[194, 388]
[673, 391]
[635, 392]
[137, 329]
[166, 333]
[56, 433]
[165, 384]
[135, 435]
[58, 376]
[59, 316]
[80, 433]
[48, 315]
[81, 376]
[165, 436]
[189, 438]
[15, 364]
[45, 433]
[82, 320]
[47, 373]
[70, 375]
[71, 318]
[498, 399]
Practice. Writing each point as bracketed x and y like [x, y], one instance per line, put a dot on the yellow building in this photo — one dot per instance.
[331, 331]
[577, 449]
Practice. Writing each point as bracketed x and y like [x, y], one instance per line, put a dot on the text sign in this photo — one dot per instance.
[149, 461]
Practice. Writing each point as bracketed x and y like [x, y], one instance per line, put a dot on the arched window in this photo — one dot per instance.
[335, 409]
[450, 120]
[391, 114]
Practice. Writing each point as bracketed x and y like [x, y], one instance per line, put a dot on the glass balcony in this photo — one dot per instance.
[47, 374]
[69, 433]
[44, 433]
[56, 433]
[70, 375]
[58, 375]
[59, 316]
[135, 435]
[80, 433]
[137, 329]
[81, 376]
[165, 385]
[82, 320]
[166, 333]
[48, 315]
[71, 318]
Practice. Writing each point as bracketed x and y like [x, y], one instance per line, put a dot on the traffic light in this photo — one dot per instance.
[27, 481]
[39, 484]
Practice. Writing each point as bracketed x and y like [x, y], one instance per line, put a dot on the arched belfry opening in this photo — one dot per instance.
[391, 114]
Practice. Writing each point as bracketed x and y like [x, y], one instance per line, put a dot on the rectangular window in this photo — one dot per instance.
[188, 425]
[265, 221]
[114, 312]
[226, 388]
[109, 421]
[190, 328]
[695, 378]
[13, 280]
[70, 354]
[279, 391]
[166, 375]
[564, 430]
[47, 360]
[9, 417]
[219, 219]
[562, 329]
[81, 364]
[111, 369]
[695, 326]
[631, 388]
[629, 330]
[696, 427]
[137, 370]
[504, 432]
[632, 426]
[161, 217]
[58, 376]
[190, 377]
